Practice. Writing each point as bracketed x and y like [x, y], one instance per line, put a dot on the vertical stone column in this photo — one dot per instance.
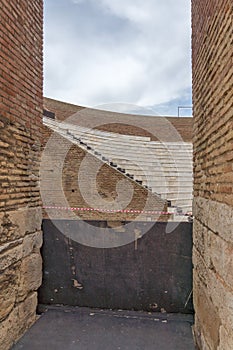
[20, 128]
[212, 59]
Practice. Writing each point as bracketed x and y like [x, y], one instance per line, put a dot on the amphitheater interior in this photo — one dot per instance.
[157, 161]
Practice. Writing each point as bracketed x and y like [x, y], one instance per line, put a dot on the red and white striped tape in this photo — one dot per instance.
[112, 210]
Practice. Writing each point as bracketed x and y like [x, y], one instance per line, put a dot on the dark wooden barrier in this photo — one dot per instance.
[154, 273]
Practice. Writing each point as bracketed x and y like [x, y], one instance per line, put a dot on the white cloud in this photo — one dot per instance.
[78, 1]
[125, 51]
[133, 10]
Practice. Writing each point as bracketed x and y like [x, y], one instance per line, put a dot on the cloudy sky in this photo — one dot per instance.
[127, 55]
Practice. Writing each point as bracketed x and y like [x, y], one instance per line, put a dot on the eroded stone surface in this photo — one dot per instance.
[9, 281]
[30, 275]
[18, 321]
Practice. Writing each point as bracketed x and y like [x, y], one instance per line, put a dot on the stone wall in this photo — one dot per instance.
[20, 124]
[213, 186]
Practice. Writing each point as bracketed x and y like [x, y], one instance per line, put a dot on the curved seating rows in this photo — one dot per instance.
[163, 168]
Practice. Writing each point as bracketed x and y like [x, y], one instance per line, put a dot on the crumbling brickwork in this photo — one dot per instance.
[20, 127]
[212, 59]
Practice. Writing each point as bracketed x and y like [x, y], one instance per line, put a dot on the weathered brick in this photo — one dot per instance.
[213, 172]
[21, 81]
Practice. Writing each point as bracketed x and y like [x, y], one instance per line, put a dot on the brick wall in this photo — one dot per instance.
[20, 124]
[92, 186]
[213, 172]
[107, 178]
[129, 124]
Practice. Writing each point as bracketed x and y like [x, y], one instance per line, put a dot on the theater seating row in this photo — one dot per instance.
[165, 168]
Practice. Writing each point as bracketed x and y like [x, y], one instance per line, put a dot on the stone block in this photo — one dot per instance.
[200, 268]
[32, 243]
[199, 205]
[208, 315]
[218, 217]
[9, 281]
[8, 230]
[222, 298]
[28, 220]
[15, 224]
[201, 240]
[19, 320]
[27, 312]
[199, 337]
[11, 256]
[30, 275]
[221, 220]
[221, 255]
[226, 339]
[221, 294]
[9, 330]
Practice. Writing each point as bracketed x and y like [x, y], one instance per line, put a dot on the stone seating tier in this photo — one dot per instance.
[131, 144]
[163, 168]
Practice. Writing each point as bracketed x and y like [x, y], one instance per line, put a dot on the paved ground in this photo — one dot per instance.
[87, 329]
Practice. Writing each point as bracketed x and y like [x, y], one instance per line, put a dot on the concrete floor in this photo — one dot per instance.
[72, 328]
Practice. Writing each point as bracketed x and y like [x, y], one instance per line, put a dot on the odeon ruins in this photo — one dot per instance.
[87, 183]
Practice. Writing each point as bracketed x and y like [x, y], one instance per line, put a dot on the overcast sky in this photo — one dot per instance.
[127, 55]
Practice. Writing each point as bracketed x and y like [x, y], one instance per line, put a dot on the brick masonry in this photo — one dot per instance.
[87, 182]
[212, 54]
[173, 129]
[20, 124]
[20, 213]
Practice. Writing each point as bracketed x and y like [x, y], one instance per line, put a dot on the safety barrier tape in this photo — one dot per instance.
[114, 210]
